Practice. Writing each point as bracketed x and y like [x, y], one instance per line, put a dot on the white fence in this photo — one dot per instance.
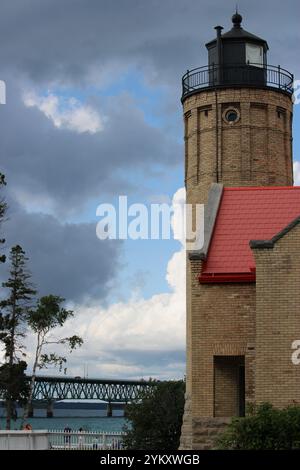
[61, 440]
[24, 440]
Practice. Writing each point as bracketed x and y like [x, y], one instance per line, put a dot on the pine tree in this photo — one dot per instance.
[14, 311]
[3, 207]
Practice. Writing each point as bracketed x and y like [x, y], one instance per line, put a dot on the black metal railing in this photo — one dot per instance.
[239, 75]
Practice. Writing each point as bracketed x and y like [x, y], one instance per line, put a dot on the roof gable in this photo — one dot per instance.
[261, 244]
[247, 214]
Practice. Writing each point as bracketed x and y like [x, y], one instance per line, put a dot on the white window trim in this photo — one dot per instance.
[250, 50]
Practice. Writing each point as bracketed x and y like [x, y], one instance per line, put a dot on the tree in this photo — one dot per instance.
[265, 428]
[155, 419]
[46, 317]
[3, 208]
[14, 310]
[14, 385]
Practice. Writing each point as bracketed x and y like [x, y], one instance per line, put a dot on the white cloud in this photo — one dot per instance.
[66, 113]
[42, 204]
[119, 338]
[297, 173]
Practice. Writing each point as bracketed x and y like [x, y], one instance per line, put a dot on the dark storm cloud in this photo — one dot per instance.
[69, 168]
[64, 259]
[63, 40]
[70, 43]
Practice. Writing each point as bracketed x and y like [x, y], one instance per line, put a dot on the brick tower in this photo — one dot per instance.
[238, 134]
[238, 117]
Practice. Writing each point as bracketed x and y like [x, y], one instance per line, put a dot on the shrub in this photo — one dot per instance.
[154, 421]
[264, 428]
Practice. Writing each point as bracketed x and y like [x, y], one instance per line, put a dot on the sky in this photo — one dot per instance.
[93, 112]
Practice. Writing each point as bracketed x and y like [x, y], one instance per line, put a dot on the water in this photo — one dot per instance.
[88, 423]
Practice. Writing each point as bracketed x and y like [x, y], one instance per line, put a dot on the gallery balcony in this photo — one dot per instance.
[237, 76]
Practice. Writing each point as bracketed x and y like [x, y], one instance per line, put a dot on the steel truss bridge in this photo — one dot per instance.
[51, 389]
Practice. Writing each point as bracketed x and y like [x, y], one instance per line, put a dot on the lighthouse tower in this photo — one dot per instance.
[238, 113]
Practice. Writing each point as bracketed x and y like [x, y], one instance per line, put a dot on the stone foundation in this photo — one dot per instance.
[186, 429]
[200, 433]
[206, 431]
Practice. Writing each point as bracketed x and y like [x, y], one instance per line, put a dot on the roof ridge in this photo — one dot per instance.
[271, 242]
[259, 188]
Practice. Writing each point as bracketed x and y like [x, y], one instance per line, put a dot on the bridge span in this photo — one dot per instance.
[49, 389]
[77, 388]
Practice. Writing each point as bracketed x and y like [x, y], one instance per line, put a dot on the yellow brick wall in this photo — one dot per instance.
[222, 323]
[278, 320]
[254, 151]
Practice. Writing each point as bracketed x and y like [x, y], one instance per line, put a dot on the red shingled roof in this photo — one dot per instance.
[246, 214]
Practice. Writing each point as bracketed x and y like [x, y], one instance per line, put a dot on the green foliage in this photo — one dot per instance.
[46, 317]
[52, 359]
[44, 320]
[264, 428]
[13, 384]
[48, 314]
[155, 419]
[15, 307]
[13, 316]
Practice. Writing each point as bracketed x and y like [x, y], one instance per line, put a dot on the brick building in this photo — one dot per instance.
[243, 291]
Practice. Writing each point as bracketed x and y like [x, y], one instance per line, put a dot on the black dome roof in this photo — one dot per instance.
[238, 33]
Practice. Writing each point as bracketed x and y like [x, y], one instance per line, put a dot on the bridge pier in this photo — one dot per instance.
[30, 410]
[49, 412]
[109, 410]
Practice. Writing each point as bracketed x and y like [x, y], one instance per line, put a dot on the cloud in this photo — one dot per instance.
[64, 259]
[67, 42]
[138, 338]
[74, 155]
[60, 156]
[69, 169]
[74, 116]
[297, 173]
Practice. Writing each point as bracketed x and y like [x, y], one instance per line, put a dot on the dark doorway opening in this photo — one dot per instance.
[242, 393]
[229, 386]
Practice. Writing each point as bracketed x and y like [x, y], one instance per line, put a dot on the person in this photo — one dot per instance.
[67, 431]
[80, 440]
[27, 427]
[95, 443]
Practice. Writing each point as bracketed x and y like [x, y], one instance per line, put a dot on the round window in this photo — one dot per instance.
[231, 116]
